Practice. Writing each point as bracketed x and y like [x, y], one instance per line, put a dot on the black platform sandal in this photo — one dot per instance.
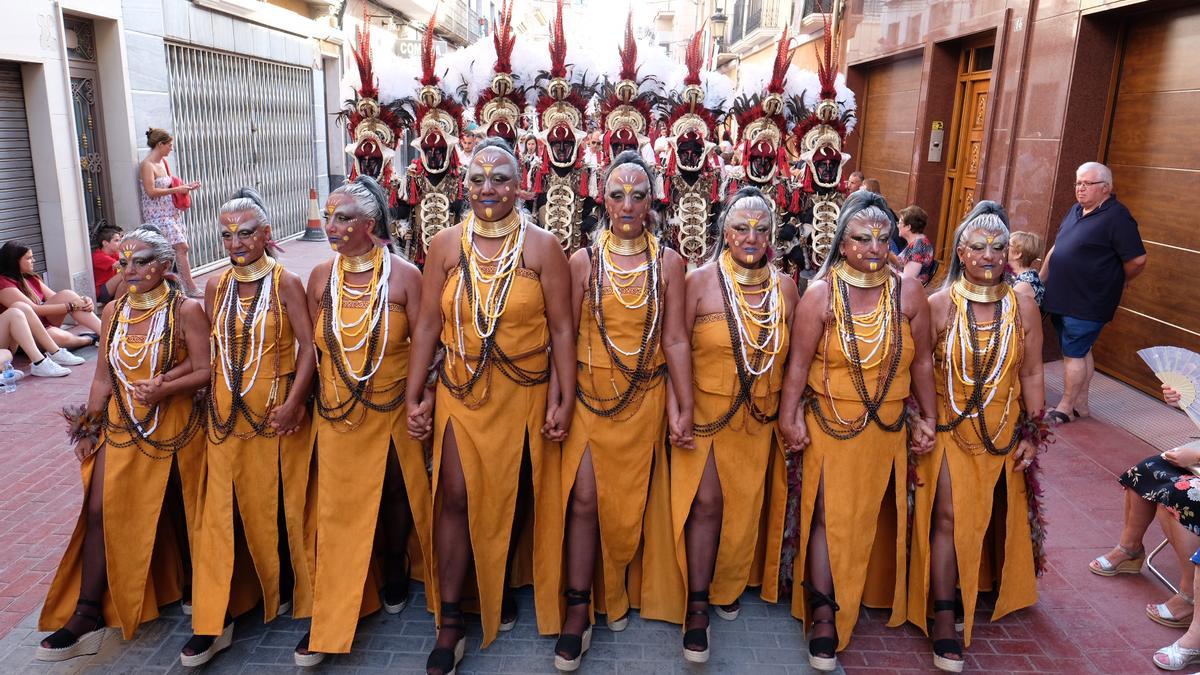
[395, 594]
[696, 637]
[819, 646]
[947, 645]
[204, 647]
[445, 660]
[509, 611]
[62, 644]
[569, 644]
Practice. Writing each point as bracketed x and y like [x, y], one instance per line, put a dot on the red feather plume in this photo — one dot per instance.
[779, 72]
[628, 52]
[694, 58]
[558, 46]
[827, 66]
[362, 56]
[504, 39]
[428, 55]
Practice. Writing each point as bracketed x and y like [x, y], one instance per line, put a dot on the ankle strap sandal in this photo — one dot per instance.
[570, 648]
[695, 640]
[446, 659]
[944, 646]
[822, 651]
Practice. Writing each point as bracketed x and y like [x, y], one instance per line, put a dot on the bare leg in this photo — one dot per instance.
[820, 574]
[1184, 544]
[943, 569]
[184, 268]
[84, 318]
[702, 534]
[15, 328]
[40, 334]
[1075, 381]
[1081, 400]
[68, 339]
[583, 535]
[1139, 513]
[396, 521]
[452, 537]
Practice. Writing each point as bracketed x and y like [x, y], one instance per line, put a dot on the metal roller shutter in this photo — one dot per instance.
[240, 122]
[18, 198]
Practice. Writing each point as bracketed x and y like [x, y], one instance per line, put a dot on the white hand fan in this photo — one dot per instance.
[1179, 369]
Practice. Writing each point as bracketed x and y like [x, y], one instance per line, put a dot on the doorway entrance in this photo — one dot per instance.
[966, 140]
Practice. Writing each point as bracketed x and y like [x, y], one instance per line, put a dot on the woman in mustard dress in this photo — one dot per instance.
[860, 346]
[988, 370]
[370, 475]
[140, 443]
[627, 293]
[258, 435]
[497, 292]
[738, 307]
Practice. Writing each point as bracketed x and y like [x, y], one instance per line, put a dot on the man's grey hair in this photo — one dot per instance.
[1103, 172]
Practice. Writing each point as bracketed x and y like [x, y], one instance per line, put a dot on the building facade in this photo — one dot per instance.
[1003, 99]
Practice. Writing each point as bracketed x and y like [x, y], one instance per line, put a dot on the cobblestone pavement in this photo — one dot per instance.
[1082, 623]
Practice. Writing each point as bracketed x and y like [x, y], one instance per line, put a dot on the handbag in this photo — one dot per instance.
[182, 200]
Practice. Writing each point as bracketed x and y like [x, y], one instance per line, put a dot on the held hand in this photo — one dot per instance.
[1170, 395]
[924, 435]
[286, 419]
[558, 420]
[680, 429]
[795, 435]
[149, 392]
[1183, 458]
[84, 449]
[1024, 455]
[420, 416]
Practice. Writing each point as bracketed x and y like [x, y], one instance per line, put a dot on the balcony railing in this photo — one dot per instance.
[460, 23]
[749, 17]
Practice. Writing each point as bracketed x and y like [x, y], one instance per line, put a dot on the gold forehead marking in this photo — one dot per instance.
[752, 222]
[627, 187]
[487, 168]
[990, 240]
[875, 232]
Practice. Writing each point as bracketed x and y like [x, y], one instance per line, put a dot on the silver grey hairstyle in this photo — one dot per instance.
[371, 201]
[151, 236]
[1104, 171]
[748, 197]
[860, 206]
[247, 199]
[987, 217]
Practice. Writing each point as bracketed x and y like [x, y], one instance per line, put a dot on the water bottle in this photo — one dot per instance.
[8, 380]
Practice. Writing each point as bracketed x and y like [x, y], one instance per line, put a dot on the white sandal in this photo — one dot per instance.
[1104, 568]
[1177, 657]
[1161, 614]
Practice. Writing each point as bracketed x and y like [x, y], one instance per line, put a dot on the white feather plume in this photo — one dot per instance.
[462, 66]
[398, 78]
[845, 97]
[653, 60]
[808, 82]
[718, 90]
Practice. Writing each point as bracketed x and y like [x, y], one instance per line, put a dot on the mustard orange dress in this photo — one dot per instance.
[248, 462]
[1005, 560]
[742, 437]
[496, 414]
[144, 551]
[621, 421]
[353, 438]
[865, 472]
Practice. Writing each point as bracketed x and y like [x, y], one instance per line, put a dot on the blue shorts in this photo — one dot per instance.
[1196, 557]
[1076, 336]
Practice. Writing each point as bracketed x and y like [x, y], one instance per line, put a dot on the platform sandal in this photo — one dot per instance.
[62, 644]
[509, 612]
[946, 646]
[303, 657]
[204, 647]
[446, 659]
[575, 646]
[819, 646]
[696, 637]
[728, 612]
[1100, 565]
[395, 594]
[1161, 614]
[1176, 657]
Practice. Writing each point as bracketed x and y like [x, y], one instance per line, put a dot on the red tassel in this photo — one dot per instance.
[715, 192]
[672, 165]
[795, 201]
[583, 184]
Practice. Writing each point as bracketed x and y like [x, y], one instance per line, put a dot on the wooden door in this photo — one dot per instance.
[1154, 152]
[966, 141]
[887, 126]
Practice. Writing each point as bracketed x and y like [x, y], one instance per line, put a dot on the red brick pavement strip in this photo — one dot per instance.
[1082, 624]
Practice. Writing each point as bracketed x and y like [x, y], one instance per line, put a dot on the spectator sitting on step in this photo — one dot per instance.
[16, 331]
[1024, 249]
[1164, 481]
[20, 287]
[106, 271]
[915, 261]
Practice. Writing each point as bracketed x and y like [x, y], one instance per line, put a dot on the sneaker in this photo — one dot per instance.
[48, 368]
[65, 358]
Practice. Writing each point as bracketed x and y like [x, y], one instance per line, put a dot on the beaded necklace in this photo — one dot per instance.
[641, 376]
[125, 357]
[369, 322]
[241, 359]
[990, 363]
[766, 315]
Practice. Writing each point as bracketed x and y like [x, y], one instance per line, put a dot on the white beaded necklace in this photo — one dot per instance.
[772, 299]
[494, 293]
[122, 359]
[231, 303]
[376, 310]
[649, 267]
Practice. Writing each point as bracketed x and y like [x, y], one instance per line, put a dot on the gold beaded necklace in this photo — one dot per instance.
[978, 292]
[494, 229]
[150, 299]
[254, 271]
[360, 263]
[858, 278]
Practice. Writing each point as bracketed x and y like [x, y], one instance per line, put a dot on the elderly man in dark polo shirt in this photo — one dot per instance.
[1096, 253]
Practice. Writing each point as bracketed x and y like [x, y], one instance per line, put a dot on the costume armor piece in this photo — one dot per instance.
[433, 186]
[564, 186]
[820, 136]
[693, 186]
[374, 129]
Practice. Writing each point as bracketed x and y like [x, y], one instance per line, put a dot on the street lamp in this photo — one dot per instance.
[719, 21]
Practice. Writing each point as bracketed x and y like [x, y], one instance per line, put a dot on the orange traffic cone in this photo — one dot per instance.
[313, 230]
